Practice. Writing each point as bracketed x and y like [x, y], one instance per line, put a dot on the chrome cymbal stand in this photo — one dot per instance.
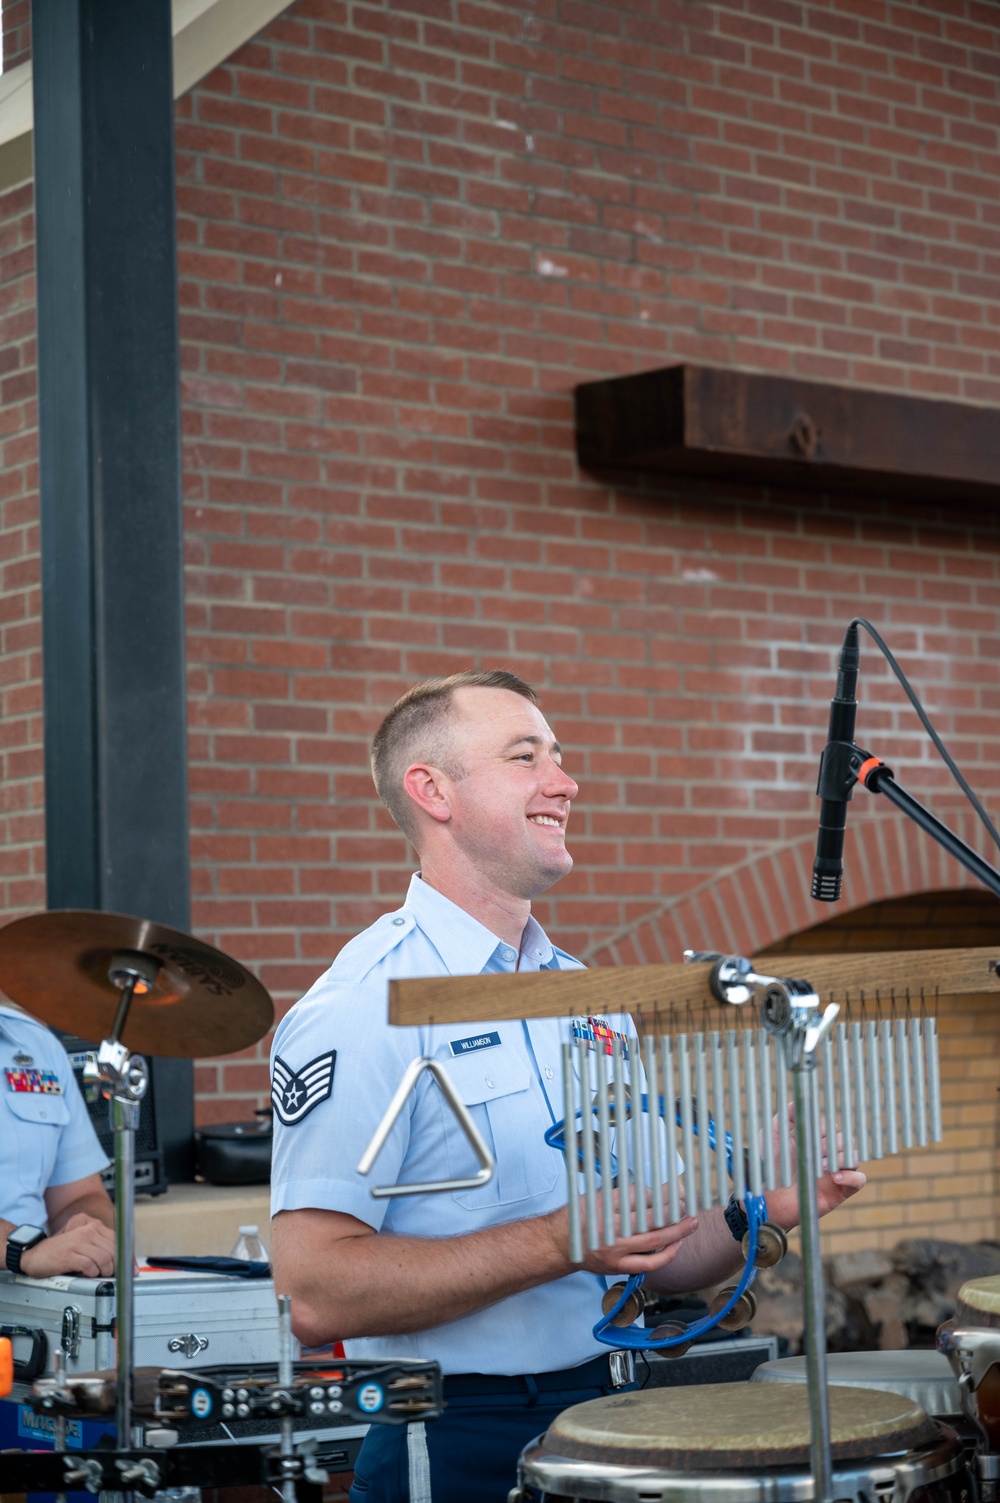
[125, 1078]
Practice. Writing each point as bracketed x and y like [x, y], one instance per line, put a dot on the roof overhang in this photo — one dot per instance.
[206, 32]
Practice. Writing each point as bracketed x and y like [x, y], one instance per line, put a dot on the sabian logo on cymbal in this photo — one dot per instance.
[218, 977]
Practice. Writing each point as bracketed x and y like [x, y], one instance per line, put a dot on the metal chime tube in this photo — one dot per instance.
[933, 1078]
[753, 1121]
[719, 1113]
[829, 1103]
[860, 1104]
[587, 1131]
[889, 1076]
[635, 1126]
[766, 1113]
[735, 1114]
[784, 1131]
[570, 1152]
[919, 1065]
[651, 1061]
[872, 1058]
[670, 1119]
[704, 1113]
[687, 1123]
[604, 1148]
[624, 1175]
[905, 1091]
[848, 1156]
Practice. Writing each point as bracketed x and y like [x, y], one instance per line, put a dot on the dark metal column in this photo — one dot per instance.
[108, 373]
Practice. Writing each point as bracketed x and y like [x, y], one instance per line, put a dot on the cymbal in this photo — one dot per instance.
[202, 1003]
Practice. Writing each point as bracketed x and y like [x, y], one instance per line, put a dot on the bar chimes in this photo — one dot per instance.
[714, 1099]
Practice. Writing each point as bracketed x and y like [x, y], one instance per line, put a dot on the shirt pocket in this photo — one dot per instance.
[498, 1088]
[36, 1122]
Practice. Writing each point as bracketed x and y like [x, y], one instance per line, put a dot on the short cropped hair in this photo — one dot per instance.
[416, 730]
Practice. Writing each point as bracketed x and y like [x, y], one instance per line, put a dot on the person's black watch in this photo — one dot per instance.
[736, 1219]
[20, 1241]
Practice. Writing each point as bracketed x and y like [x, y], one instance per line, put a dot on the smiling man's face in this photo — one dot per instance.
[509, 811]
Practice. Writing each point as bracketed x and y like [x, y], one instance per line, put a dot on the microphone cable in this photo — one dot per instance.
[943, 751]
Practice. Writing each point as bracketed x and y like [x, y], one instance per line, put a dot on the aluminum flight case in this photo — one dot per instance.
[182, 1320]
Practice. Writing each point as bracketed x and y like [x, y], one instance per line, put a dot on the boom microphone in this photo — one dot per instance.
[835, 784]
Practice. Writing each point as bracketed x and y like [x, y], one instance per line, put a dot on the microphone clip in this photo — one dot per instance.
[838, 769]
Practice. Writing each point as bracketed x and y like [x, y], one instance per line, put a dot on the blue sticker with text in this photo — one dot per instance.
[40, 1429]
[477, 1041]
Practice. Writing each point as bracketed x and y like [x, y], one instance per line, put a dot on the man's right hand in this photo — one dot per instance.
[85, 1246]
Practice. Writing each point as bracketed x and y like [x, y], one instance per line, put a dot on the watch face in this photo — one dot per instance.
[25, 1236]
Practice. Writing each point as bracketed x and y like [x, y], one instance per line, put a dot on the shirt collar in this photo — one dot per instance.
[7, 1030]
[465, 945]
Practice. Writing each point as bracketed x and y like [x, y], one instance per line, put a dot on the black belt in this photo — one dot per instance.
[594, 1374]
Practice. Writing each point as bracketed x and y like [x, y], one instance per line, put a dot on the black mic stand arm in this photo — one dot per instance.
[874, 775]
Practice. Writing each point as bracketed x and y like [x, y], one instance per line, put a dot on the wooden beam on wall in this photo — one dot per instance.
[689, 419]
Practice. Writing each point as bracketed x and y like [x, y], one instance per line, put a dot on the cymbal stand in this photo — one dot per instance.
[125, 1077]
[792, 1009]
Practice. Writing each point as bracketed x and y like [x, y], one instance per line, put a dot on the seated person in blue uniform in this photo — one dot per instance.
[55, 1215]
[479, 1280]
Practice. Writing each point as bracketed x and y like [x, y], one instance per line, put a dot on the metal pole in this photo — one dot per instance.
[124, 1121]
[285, 1377]
[806, 1108]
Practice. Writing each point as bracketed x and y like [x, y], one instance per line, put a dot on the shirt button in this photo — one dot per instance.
[399, 922]
[510, 954]
[489, 1082]
[548, 1073]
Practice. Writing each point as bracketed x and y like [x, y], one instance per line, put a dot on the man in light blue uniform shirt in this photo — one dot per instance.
[480, 1279]
[50, 1160]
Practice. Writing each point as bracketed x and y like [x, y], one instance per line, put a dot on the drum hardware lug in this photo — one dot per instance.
[621, 1367]
[142, 1474]
[988, 1466]
[69, 1338]
[87, 1475]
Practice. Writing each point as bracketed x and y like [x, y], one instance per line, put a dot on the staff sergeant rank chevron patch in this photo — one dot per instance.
[294, 1093]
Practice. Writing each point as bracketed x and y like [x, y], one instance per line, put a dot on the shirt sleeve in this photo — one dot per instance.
[335, 1066]
[79, 1153]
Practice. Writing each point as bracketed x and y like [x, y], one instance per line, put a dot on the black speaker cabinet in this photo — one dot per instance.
[150, 1154]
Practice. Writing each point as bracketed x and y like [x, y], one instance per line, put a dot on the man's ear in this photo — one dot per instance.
[427, 786]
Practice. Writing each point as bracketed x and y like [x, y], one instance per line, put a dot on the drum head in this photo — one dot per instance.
[924, 1377]
[734, 1425]
[979, 1302]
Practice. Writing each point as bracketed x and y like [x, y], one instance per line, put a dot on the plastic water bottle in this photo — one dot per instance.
[248, 1246]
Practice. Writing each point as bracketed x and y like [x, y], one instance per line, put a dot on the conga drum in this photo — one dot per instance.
[925, 1377]
[740, 1443]
[979, 1303]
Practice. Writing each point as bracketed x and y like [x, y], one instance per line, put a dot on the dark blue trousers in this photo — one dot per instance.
[473, 1448]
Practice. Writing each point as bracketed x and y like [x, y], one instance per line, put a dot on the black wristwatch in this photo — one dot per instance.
[736, 1219]
[20, 1241]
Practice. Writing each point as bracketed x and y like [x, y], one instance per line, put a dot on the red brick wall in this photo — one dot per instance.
[406, 233]
[15, 24]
